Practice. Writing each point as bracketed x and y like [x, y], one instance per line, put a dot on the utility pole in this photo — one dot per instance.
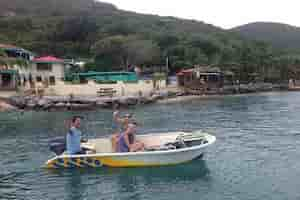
[167, 65]
[167, 69]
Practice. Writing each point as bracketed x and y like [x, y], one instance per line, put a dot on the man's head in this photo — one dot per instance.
[76, 120]
[126, 118]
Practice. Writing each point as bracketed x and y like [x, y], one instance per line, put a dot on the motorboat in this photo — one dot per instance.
[161, 149]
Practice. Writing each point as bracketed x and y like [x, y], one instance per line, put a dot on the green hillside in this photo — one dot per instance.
[117, 38]
[279, 35]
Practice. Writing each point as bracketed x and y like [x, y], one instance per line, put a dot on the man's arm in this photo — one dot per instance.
[117, 117]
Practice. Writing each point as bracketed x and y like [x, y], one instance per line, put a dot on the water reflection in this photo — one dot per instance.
[11, 185]
[134, 182]
[75, 189]
[130, 182]
[189, 171]
[73, 185]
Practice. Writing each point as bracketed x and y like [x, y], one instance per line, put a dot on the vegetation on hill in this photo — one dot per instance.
[116, 38]
[278, 35]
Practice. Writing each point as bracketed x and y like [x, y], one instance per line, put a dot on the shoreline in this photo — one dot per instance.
[60, 103]
[15, 101]
[213, 96]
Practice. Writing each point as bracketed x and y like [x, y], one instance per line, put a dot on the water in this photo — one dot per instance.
[256, 155]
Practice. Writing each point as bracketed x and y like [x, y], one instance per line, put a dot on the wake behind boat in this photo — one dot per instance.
[161, 149]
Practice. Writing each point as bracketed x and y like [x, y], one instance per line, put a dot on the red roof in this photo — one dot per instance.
[185, 71]
[48, 59]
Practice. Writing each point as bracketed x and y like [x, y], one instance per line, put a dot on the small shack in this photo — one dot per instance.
[8, 79]
[193, 77]
[205, 79]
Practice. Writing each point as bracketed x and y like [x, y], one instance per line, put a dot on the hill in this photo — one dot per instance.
[277, 34]
[117, 38]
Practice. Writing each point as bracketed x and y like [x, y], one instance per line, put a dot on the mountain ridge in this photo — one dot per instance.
[280, 35]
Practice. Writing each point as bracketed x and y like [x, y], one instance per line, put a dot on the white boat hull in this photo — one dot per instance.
[134, 159]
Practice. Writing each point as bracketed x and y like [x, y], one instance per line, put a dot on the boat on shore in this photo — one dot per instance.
[160, 149]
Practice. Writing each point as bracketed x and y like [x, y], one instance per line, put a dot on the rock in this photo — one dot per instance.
[155, 97]
[31, 103]
[179, 94]
[48, 106]
[163, 94]
[230, 89]
[42, 102]
[103, 104]
[5, 107]
[247, 88]
[128, 101]
[19, 102]
[172, 94]
[60, 105]
[146, 100]
[80, 106]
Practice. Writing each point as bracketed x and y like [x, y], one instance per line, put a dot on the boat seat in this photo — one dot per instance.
[156, 141]
[100, 145]
[91, 147]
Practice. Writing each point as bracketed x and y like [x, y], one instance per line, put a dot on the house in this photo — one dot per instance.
[184, 77]
[204, 78]
[47, 69]
[12, 60]
[16, 52]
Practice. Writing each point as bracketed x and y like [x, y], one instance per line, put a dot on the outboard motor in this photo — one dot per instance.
[58, 145]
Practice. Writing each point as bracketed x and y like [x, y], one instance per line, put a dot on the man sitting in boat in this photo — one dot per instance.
[127, 141]
[74, 137]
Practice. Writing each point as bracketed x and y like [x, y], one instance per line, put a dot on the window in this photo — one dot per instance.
[44, 67]
[38, 79]
[52, 80]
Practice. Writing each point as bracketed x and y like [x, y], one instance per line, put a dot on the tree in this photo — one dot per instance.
[11, 62]
[125, 50]
[111, 49]
[141, 51]
[3, 58]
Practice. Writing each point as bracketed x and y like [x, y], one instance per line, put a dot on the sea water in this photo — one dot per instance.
[256, 155]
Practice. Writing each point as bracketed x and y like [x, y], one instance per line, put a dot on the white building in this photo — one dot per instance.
[46, 69]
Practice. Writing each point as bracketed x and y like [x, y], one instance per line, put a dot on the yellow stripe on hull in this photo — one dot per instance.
[99, 162]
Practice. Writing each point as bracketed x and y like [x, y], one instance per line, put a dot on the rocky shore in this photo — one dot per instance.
[53, 103]
[5, 106]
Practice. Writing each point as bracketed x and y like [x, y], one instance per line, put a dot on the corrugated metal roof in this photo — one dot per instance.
[8, 71]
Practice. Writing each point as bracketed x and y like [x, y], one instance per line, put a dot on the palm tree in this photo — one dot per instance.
[11, 62]
[3, 58]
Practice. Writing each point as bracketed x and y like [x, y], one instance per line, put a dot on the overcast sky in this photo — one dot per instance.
[222, 13]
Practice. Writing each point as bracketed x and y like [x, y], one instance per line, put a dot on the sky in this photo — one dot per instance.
[221, 13]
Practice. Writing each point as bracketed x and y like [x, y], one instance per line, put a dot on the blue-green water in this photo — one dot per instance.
[256, 156]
